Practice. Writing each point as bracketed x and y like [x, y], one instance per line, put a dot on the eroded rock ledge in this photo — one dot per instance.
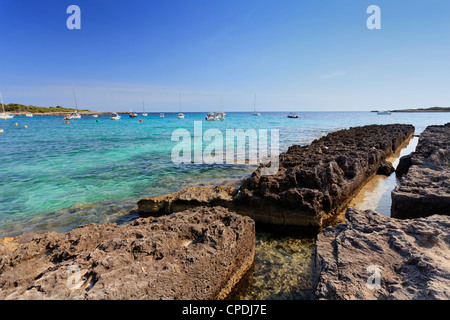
[197, 254]
[410, 257]
[425, 188]
[313, 183]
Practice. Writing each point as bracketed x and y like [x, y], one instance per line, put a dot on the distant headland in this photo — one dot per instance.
[432, 109]
[20, 110]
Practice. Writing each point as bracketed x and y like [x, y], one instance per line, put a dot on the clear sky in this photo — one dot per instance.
[294, 55]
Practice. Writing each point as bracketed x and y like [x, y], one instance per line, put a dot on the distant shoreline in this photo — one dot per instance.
[433, 109]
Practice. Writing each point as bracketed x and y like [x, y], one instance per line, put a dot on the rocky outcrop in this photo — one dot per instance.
[196, 254]
[312, 184]
[188, 198]
[425, 186]
[378, 257]
[315, 182]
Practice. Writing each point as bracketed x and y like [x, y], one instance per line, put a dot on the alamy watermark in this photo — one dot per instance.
[231, 149]
[374, 280]
[374, 21]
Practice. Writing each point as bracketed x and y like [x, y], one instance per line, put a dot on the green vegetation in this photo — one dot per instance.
[432, 109]
[15, 107]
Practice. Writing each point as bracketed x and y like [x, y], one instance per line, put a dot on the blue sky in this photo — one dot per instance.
[294, 55]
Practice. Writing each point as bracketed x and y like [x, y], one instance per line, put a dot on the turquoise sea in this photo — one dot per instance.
[56, 176]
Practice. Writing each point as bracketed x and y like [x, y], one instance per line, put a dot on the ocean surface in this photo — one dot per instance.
[56, 176]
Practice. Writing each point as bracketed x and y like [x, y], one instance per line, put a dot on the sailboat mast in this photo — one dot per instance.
[179, 101]
[74, 97]
[254, 104]
[1, 98]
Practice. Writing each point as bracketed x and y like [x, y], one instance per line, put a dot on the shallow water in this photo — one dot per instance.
[55, 177]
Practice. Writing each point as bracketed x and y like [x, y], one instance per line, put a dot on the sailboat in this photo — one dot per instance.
[180, 115]
[4, 115]
[254, 108]
[28, 114]
[75, 115]
[144, 114]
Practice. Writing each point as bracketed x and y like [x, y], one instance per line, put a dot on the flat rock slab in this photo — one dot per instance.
[186, 199]
[196, 254]
[411, 258]
[425, 188]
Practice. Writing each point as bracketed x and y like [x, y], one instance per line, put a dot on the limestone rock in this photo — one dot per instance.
[187, 198]
[386, 168]
[411, 258]
[195, 254]
[316, 181]
[425, 189]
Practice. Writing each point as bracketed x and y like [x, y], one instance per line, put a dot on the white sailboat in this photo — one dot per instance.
[75, 115]
[180, 115]
[144, 114]
[4, 115]
[254, 108]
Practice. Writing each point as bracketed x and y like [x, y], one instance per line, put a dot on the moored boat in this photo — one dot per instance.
[115, 116]
[4, 115]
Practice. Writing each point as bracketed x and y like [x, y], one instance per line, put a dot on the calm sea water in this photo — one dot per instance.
[56, 176]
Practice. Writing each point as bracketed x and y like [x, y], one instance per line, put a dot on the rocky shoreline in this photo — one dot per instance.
[378, 257]
[199, 243]
[313, 183]
[425, 186]
[374, 257]
[198, 254]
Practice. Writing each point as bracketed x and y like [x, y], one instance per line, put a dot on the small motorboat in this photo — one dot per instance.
[133, 114]
[115, 116]
[1, 130]
[145, 114]
[180, 116]
[161, 115]
[29, 115]
[293, 115]
[95, 116]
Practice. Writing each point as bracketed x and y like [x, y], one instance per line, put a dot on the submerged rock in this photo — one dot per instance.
[425, 188]
[378, 257]
[386, 168]
[196, 254]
